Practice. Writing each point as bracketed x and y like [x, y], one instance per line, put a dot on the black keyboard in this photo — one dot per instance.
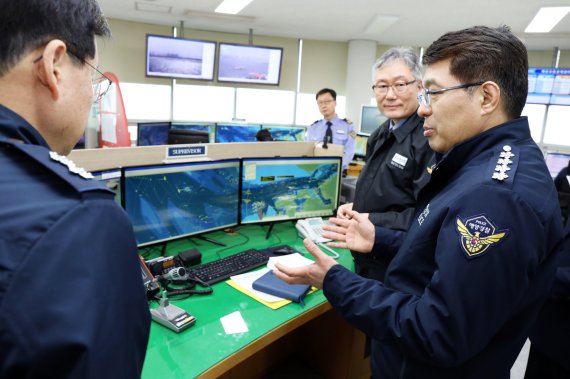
[216, 271]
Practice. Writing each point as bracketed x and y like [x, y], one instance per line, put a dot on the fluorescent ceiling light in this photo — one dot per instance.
[232, 6]
[546, 18]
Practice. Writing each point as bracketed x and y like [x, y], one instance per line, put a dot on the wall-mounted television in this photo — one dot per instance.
[170, 57]
[370, 119]
[249, 64]
[540, 82]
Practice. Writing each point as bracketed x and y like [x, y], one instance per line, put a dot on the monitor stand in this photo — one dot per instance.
[271, 225]
[215, 242]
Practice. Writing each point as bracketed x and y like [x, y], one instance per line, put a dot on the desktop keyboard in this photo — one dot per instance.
[221, 269]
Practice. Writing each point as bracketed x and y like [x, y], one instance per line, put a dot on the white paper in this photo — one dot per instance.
[234, 323]
[289, 260]
[246, 280]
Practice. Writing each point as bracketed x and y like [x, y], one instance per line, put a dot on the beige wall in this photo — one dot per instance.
[323, 65]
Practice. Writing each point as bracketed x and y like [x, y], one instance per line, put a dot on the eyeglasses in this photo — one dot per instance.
[424, 95]
[324, 102]
[101, 83]
[382, 89]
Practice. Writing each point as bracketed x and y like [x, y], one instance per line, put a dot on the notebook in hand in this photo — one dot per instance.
[272, 285]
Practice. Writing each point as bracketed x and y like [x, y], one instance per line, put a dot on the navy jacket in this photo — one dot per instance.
[72, 303]
[476, 265]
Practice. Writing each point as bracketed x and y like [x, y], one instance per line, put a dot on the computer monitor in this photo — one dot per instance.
[370, 119]
[540, 83]
[276, 189]
[249, 64]
[360, 150]
[286, 133]
[236, 133]
[152, 133]
[184, 136]
[561, 87]
[111, 179]
[166, 202]
[203, 127]
[556, 162]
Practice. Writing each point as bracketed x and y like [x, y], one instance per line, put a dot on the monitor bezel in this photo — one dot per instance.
[369, 106]
[278, 158]
[162, 123]
[193, 163]
[174, 76]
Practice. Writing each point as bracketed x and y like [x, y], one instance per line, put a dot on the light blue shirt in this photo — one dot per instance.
[343, 134]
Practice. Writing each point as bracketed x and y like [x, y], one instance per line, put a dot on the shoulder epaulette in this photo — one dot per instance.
[59, 165]
[347, 120]
[315, 122]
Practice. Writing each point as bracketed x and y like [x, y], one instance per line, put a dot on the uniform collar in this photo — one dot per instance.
[513, 130]
[13, 126]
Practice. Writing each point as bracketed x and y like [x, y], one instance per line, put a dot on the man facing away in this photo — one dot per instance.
[477, 263]
[398, 160]
[72, 303]
[331, 128]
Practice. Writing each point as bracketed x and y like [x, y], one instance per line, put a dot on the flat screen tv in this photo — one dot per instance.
[249, 64]
[561, 87]
[279, 189]
[540, 83]
[170, 57]
[370, 119]
[166, 202]
[152, 133]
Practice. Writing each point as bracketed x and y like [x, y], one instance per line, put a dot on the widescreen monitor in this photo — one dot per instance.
[186, 136]
[360, 150]
[111, 179]
[249, 64]
[203, 127]
[370, 119]
[556, 162]
[277, 189]
[170, 57]
[561, 87]
[236, 133]
[152, 133]
[166, 202]
[540, 83]
[286, 133]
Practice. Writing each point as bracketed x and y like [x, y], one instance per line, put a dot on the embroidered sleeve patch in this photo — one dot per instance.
[477, 234]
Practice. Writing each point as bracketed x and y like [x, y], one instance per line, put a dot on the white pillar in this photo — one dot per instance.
[361, 57]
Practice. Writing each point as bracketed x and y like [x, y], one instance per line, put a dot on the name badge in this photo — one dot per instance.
[340, 131]
[399, 160]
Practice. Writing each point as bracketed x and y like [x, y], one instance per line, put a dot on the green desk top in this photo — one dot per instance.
[193, 351]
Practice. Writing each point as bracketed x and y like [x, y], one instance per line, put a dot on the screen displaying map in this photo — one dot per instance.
[179, 200]
[275, 189]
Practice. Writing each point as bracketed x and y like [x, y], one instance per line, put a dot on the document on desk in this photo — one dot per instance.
[244, 282]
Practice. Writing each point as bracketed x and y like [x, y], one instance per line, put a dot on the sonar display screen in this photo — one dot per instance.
[275, 189]
[172, 201]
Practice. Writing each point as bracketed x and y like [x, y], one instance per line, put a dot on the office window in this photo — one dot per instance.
[535, 114]
[146, 101]
[265, 106]
[557, 131]
[203, 103]
[308, 111]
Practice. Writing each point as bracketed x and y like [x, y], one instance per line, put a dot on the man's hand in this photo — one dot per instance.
[356, 233]
[313, 274]
[341, 211]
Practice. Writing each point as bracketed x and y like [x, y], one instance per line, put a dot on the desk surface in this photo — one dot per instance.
[205, 349]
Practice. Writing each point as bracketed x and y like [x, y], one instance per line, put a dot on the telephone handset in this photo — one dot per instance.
[312, 228]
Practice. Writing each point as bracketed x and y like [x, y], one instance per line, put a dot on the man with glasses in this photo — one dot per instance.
[332, 129]
[462, 292]
[72, 304]
[398, 160]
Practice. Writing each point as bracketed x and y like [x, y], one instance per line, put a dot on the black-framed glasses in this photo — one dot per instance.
[101, 83]
[400, 87]
[424, 95]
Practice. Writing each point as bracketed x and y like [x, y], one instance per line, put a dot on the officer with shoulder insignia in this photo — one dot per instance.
[72, 304]
[460, 296]
[398, 161]
[332, 129]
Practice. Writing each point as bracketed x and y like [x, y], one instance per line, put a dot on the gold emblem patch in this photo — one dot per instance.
[477, 234]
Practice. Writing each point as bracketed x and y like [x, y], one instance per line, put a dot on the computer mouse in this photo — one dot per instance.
[283, 251]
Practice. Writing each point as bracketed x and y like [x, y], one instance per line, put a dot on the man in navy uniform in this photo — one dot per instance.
[332, 129]
[461, 294]
[398, 160]
[72, 303]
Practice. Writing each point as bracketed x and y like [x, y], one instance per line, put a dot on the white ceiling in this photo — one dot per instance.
[396, 22]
